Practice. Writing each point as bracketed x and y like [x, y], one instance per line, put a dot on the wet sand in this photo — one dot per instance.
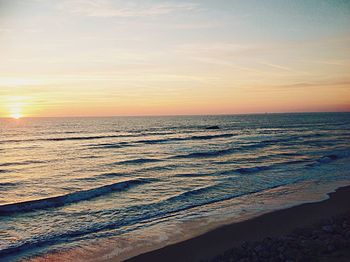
[275, 224]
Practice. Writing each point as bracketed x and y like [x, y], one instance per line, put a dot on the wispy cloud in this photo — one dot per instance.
[108, 8]
[344, 82]
[18, 81]
[202, 25]
[339, 62]
[5, 30]
[217, 48]
[276, 66]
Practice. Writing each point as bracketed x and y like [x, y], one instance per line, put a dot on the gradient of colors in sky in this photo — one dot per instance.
[104, 57]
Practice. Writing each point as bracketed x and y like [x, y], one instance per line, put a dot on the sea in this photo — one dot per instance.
[90, 189]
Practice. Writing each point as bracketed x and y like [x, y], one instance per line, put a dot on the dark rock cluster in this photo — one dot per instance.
[212, 127]
[328, 241]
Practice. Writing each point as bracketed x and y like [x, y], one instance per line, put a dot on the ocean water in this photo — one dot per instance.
[101, 187]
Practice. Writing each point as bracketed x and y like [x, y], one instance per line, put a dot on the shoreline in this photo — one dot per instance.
[273, 224]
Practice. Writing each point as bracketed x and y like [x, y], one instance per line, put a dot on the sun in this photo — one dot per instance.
[16, 110]
[16, 115]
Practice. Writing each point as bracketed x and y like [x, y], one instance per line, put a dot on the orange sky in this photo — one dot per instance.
[105, 58]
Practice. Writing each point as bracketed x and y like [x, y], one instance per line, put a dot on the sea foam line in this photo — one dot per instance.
[69, 198]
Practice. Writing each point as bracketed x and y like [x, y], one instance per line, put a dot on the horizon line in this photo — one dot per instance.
[179, 115]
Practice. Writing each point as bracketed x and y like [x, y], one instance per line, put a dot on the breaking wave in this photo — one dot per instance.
[69, 198]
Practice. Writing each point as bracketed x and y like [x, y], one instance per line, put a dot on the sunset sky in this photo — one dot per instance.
[104, 58]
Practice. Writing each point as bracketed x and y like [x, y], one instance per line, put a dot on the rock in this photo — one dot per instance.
[303, 243]
[212, 127]
[330, 248]
[327, 228]
[322, 240]
[281, 249]
[244, 244]
[258, 248]
[347, 234]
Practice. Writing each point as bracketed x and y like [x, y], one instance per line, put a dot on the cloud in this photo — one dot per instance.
[329, 83]
[108, 8]
[201, 25]
[344, 82]
[276, 66]
[337, 62]
[18, 81]
[6, 30]
[217, 47]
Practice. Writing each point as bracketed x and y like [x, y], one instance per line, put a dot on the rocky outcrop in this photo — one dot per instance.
[328, 241]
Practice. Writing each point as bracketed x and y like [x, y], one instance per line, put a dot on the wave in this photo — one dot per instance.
[90, 157]
[322, 160]
[206, 137]
[213, 153]
[202, 137]
[114, 136]
[150, 132]
[248, 146]
[154, 211]
[5, 185]
[68, 138]
[69, 198]
[242, 147]
[57, 139]
[138, 161]
[192, 192]
[259, 158]
[254, 145]
[294, 139]
[202, 191]
[221, 152]
[100, 176]
[132, 143]
[108, 175]
[111, 145]
[242, 171]
[159, 168]
[300, 161]
[160, 140]
[79, 138]
[194, 174]
[156, 141]
[330, 158]
[23, 163]
[254, 169]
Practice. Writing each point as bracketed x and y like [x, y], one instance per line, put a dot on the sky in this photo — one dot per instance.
[150, 57]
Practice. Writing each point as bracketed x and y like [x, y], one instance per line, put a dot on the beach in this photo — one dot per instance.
[326, 221]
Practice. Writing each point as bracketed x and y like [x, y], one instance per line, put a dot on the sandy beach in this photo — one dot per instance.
[318, 219]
